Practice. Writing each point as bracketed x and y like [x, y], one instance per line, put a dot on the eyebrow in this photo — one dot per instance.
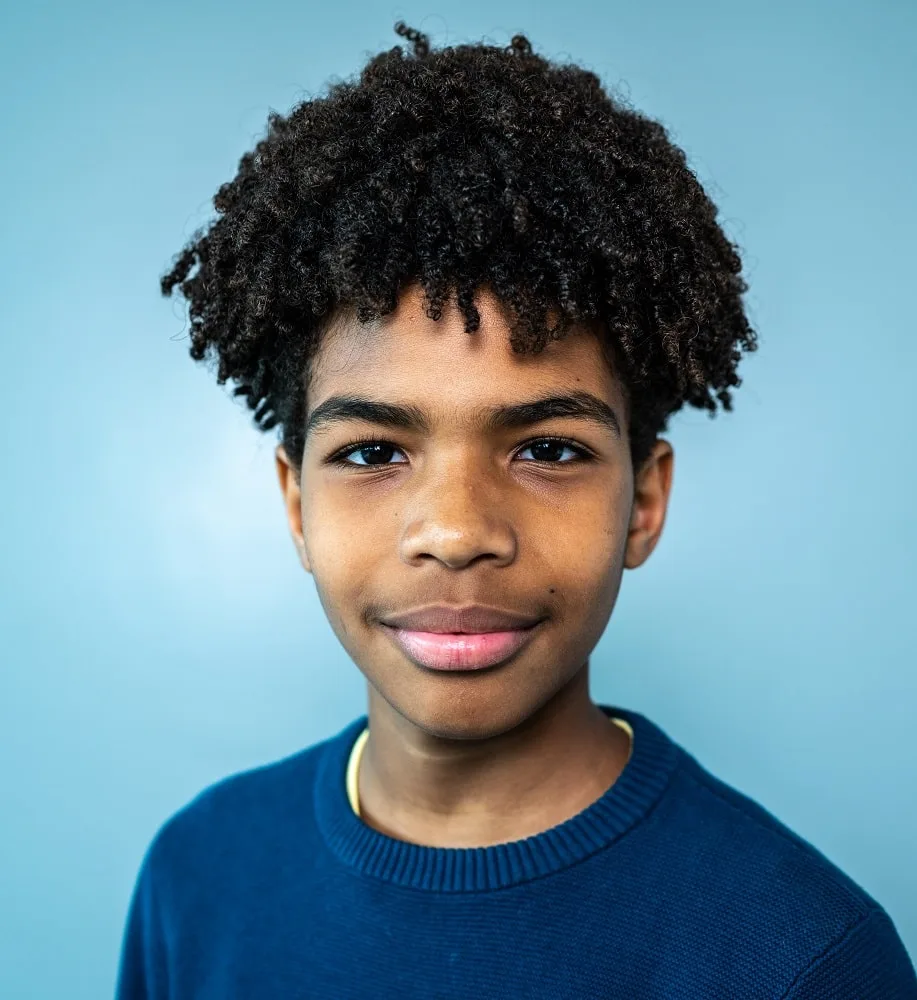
[511, 416]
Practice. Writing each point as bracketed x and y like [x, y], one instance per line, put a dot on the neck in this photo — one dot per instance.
[475, 793]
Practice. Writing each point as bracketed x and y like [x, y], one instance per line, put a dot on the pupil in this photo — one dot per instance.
[550, 446]
[376, 448]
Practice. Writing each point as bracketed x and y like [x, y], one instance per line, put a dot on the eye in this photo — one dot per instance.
[371, 453]
[379, 453]
[550, 448]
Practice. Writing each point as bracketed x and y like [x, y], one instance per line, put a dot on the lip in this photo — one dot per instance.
[472, 619]
[451, 651]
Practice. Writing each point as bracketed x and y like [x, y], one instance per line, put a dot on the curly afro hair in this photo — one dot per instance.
[459, 167]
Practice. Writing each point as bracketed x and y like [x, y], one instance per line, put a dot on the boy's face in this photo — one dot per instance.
[459, 513]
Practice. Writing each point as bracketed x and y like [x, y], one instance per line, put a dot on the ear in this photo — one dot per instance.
[290, 487]
[652, 486]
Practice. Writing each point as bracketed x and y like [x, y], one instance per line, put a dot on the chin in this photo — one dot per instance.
[466, 710]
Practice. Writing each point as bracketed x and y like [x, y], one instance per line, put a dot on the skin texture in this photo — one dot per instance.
[460, 515]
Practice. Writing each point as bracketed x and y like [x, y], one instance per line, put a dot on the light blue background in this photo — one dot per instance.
[158, 632]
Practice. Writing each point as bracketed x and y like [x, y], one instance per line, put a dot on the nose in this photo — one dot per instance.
[458, 515]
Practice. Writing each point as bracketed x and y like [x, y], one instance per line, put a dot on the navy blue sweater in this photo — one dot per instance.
[671, 886]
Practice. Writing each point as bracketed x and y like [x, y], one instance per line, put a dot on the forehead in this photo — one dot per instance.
[436, 364]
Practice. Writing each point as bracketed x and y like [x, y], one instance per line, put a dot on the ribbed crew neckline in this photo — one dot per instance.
[476, 869]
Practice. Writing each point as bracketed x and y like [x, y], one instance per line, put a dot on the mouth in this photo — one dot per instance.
[449, 637]
[449, 651]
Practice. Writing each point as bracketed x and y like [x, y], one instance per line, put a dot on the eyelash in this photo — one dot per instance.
[339, 457]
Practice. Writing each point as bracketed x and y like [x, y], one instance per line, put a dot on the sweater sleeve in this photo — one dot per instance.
[868, 962]
[142, 968]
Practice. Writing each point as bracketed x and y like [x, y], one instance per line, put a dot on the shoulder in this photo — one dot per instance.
[250, 811]
[746, 839]
[775, 893]
[868, 961]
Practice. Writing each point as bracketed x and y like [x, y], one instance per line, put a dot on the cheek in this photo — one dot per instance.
[344, 542]
[584, 569]
[584, 539]
[587, 562]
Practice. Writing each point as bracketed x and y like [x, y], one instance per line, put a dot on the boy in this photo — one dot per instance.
[471, 289]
